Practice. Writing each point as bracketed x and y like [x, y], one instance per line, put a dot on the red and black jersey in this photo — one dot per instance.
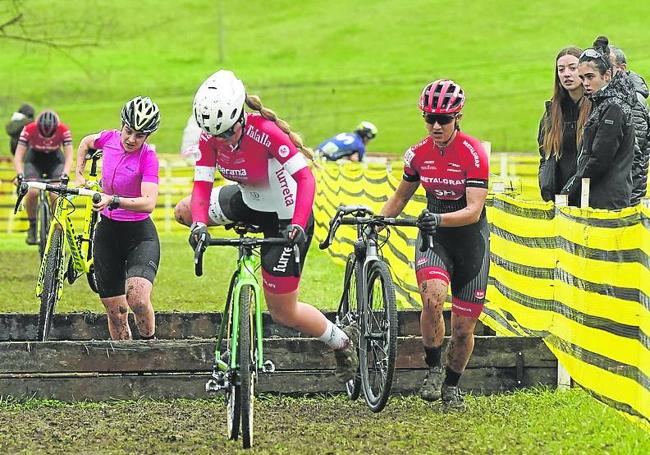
[446, 173]
[32, 139]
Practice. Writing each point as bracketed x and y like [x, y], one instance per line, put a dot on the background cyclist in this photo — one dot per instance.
[453, 169]
[39, 154]
[126, 247]
[20, 118]
[351, 146]
[275, 190]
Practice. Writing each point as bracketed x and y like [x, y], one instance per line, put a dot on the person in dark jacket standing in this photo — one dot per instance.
[561, 126]
[607, 148]
[19, 119]
[641, 119]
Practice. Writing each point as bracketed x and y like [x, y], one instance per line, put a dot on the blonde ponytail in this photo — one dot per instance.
[254, 102]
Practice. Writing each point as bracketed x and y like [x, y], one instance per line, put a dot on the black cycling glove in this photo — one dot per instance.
[296, 234]
[198, 230]
[428, 222]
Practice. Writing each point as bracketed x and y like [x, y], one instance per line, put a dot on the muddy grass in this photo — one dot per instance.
[540, 421]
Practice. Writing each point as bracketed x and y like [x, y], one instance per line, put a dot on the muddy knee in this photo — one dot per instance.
[182, 212]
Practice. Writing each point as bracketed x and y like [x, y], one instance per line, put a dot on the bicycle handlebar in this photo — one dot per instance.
[59, 189]
[204, 242]
[364, 215]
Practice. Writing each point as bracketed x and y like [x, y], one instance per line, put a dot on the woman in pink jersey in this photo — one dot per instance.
[452, 167]
[274, 189]
[126, 247]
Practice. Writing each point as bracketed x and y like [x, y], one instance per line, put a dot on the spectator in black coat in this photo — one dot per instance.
[607, 149]
[19, 119]
[641, 119]
[560, 129]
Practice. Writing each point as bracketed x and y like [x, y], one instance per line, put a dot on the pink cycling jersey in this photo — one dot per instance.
[31, 138]
[271, 172]
[124, 172]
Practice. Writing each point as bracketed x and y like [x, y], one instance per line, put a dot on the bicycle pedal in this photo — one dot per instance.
[268, 367]
[212, 386]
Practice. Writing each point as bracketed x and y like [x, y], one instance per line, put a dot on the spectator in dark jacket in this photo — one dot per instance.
[641, 118]
[607, 148]
[560, 129]
[15, 126]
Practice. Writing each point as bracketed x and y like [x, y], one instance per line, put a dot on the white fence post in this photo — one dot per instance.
[168, 195]
[584, 195]
[563, 376]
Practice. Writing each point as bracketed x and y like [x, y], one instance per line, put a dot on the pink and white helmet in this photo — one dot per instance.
[443, 96]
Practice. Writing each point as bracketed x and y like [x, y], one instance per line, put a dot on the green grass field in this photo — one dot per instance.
[323, 65]
[176, 287]
[528, 422]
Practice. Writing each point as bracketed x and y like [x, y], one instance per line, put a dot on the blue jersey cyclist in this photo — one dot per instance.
[452, 167]
[351, 146]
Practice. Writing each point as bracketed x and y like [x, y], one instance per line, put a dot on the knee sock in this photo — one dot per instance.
[432, 356]
[452, 378]
[334, 337]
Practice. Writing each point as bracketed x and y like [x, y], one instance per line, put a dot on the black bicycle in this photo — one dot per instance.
[368, 299]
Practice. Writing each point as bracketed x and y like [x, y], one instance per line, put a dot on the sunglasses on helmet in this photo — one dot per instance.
[593, 53]
[440, 119]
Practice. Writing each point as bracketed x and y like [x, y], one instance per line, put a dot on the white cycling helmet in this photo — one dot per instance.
[367, 130]
[219, 102]
[141, 114]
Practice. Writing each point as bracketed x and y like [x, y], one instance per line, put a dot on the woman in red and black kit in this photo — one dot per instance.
[453, 169]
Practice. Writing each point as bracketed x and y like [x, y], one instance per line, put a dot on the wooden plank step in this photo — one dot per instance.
[93, 326]
[197, 355]
[166, 386]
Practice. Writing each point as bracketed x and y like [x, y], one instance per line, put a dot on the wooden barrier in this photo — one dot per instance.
[98, 370]
[93, 326]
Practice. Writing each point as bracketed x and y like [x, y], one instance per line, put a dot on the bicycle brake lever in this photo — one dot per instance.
[22, 191]
[296, 261]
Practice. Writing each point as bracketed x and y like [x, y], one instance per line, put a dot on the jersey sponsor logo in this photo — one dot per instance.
[241, 173]
[283, 261]
[445, 193]
[444, 181]
[454, 169]
[473, 151]
[479, 293]
[284, 186]
[408, 157]
[258, 136]
[283, 151]
[422, 261]
[254, 195]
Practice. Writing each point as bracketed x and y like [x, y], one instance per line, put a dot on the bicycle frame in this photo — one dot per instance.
[77, 250]
[247, 263]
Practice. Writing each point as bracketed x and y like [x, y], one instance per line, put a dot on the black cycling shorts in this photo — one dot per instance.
[461, 258]
[277, 263]
[124, 249]
[39, 164]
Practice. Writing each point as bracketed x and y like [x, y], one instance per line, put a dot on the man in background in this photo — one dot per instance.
[641, 119]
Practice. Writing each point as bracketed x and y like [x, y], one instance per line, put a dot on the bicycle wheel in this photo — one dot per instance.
[233, 393]
[51, 284]
[378, 338]
[348, 313]
[92, 282]
[247, 366]
[42, 223]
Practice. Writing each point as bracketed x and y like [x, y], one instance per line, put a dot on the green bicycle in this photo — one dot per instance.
[238, 363]
[54, 268]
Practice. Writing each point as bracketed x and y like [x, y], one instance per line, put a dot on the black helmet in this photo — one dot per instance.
[141, 114]
[47, 123]
[27, 110]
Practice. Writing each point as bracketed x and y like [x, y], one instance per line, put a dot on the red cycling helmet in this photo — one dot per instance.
[443, 96]
[47, 123]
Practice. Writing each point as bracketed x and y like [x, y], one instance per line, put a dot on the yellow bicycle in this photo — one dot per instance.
[67, 255]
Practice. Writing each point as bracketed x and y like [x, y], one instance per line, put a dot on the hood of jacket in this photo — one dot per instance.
[639, 84]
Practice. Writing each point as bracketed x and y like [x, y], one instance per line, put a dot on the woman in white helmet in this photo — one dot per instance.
[126, 247]
[274, 189]
[351, 146]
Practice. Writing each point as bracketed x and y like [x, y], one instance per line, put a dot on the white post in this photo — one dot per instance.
[563, 376]
[584, 195]
[504, 166]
